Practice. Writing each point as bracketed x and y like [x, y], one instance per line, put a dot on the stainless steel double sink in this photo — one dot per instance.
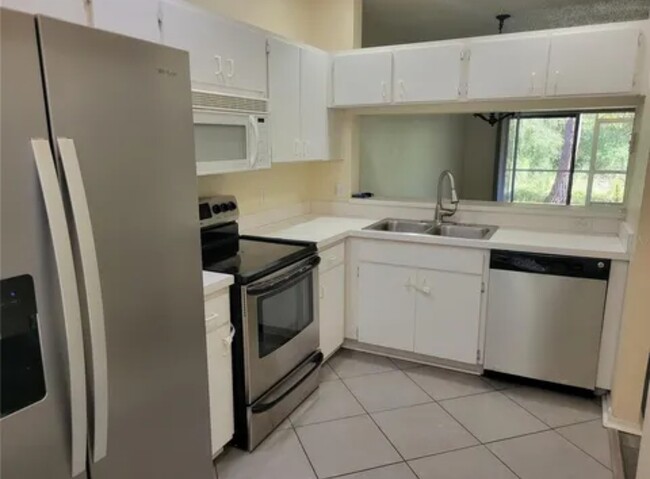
[454, 230]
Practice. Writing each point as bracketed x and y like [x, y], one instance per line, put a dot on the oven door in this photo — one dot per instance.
[225, 142]
[281, 319]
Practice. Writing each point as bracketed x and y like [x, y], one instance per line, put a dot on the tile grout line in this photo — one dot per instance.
[383, 433]
[343, 476]
[304, 451]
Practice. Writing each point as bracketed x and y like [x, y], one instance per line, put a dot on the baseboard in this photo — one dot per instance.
[612, 422]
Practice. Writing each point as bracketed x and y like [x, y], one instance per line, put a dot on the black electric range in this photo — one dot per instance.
[274, 311]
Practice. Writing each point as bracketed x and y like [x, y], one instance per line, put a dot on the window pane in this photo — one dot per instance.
[608, 188]
[507, 190]
[585, 141]
[541, 187]
[579, 189]
[510, 152]
[545, 143]
[613, 146]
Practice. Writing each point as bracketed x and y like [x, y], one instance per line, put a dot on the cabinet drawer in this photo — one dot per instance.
[332, 257]
[217, 310]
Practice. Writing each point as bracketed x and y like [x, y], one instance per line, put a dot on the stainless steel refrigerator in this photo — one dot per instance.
[102, 336]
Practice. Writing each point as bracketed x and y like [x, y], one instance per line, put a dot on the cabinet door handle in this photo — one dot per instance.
[557, 80]
[296, 148]
[305, 148]
[384, 91]
[402, 89]
[219, 69]
[409, 284]
[533, 76]
[231, 70]
[211, 317]
[227, 341]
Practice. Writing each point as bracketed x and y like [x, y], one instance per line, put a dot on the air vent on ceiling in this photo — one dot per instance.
[217, 101]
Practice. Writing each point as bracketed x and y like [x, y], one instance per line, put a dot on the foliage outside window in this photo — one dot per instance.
[566, 159]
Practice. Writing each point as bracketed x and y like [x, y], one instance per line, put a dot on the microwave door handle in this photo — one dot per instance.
[70, 301]
[256, 140]
[94, 300]
[281, 282]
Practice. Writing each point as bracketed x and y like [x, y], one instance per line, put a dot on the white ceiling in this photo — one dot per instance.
[388, 22]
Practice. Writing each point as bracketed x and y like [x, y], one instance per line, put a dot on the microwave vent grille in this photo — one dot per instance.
[216, 101]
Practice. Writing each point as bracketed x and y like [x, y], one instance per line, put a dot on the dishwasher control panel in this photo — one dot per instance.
[557, 265]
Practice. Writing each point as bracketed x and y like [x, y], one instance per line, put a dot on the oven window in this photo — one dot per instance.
[283, 315]
[220, 142]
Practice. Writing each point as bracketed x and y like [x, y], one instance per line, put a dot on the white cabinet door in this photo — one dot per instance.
[137, 19]
[219, 340]
[507, 67]
[224, 55]
[593, 62]
[332, 309]
[362, 78]
[284, 100]
[69, 10]
[314, 67]
[244, 53]
[430, 73]
[448, 315]
[386, 305]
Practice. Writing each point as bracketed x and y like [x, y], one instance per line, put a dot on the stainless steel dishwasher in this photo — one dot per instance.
[545, 316]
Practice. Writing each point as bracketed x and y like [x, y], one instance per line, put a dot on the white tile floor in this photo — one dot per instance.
[377, 418]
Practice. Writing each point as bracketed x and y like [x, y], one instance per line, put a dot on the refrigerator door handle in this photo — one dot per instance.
[94, 301]
[70, 301]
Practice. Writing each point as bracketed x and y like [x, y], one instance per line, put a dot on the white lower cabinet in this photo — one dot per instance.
[448, 315]
[386, 305]
[424, 299]
[332, 299]
[220, 334]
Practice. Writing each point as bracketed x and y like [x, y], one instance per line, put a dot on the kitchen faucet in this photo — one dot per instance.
[442, 212]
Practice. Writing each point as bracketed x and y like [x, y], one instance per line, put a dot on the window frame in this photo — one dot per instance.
[504, 143]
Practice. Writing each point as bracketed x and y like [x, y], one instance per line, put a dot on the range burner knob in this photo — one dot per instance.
[216, 209]
[224, 207]
[232, 206]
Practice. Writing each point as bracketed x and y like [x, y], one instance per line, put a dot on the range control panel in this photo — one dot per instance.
[22, 381]
[218, 210]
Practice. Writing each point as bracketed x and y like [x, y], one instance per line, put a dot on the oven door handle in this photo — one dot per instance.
[316, 360]
[281, 281]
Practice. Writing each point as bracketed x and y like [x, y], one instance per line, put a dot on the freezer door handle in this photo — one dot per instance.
[70, 301]
[94, 301]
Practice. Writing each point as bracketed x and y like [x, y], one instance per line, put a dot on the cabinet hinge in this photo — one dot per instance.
[268, 47]
[478, 355]
[482, 286]
[357, 271]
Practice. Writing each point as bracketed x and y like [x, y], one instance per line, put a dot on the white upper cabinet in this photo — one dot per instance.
[362, 78]
[224, 55]
[314, 68]
[448, 315]
[593, 61]
[284, 100]
[69, 10]
[427, 74]
[510, 67]
[138, 19]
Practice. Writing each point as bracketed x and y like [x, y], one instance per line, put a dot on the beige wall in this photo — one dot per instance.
[326, 24]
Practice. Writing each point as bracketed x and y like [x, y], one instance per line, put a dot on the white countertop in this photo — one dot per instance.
[213, 282]
[328, 230]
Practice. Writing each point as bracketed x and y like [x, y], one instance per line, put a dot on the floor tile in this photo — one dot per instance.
[286, 424]
[592, 438]
[280, 456]
[554, 408]
[472, 463]
[422, 430]
[444, 384]
[402, 364]
[347, 363]
[500, 384]
[327, 373]
[378, 392]
[548, 455]
[331, 400]
[396, 471]
[492, 416]
[346, 445]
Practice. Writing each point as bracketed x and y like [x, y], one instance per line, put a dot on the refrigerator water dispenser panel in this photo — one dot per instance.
[22, 381]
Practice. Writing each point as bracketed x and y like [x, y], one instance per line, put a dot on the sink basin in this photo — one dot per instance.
[464, 231]
[402, 226]
[453, 230]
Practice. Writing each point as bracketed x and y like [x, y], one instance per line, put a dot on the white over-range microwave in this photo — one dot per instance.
[231, 133]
